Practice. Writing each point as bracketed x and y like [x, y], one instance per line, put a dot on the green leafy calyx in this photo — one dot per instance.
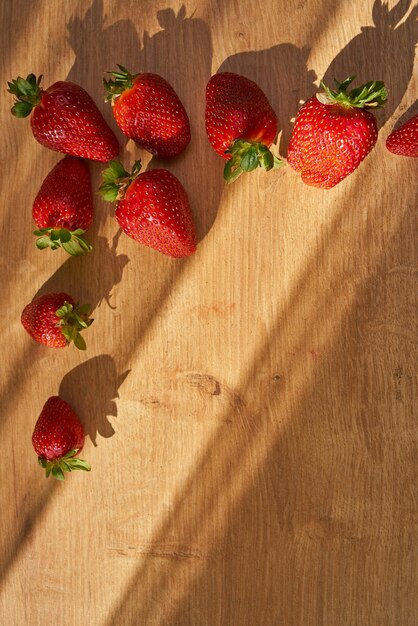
[67, 463]
[120, 82]
[246, 156]
[371, 95]
[72, 241]
[27, 94]
[72, 321]
[116, 180]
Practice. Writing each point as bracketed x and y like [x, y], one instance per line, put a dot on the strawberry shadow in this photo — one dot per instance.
[168, 53]
[92, 277]
[94, 44]
[406, 116]
[99, 374]
[281, 72]
[384, 51]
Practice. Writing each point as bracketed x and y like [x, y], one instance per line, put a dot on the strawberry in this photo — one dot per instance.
[57, 437]
[404, 140]
[333, 132]
[63, 208]
[152, 208]
[64, 118]
[55, 320]
[240, 124]
[148, 110]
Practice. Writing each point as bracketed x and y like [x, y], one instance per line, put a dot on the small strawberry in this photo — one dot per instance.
[54, 320]
[63, 208]
[404, 140]
[64, 118]
[152, 208]
[240, 124]
[148, 110]
[333, 132]
[57, 437]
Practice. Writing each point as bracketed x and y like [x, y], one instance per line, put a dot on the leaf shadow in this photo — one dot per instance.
[384, 51]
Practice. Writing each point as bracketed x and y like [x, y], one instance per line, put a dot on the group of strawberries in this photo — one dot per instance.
[333, 132]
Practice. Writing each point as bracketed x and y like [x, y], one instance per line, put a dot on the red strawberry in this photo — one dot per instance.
[240, 124]
[404, 140]
[54, 320]
[148, 110]
[63, 208]
[58, 436]
[333, 133]
[64, 118]
[152, 208]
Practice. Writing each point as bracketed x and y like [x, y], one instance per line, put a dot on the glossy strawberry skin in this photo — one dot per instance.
[404, 140]
[65, 197]
[68, 120]
[151, 114]
[237, 108]
[156, 212]
[57, 431]
[39, 319]
[329, 141]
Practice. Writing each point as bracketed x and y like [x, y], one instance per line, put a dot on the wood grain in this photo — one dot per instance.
[250, 410]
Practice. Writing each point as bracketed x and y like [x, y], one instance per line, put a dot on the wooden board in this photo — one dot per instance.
[250, 409]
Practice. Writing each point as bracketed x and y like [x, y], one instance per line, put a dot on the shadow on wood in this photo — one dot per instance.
[384, 51]
[92, 277]
[91, 389]
[321, 516]
[282, 73]
[182, 53]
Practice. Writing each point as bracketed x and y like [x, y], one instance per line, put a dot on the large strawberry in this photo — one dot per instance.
[152, 208]
[334, 132]
[57, 437]
[63, 207]
[240, 123]
[64, 118]
[55, 320]
[404, 140]
[148, 110]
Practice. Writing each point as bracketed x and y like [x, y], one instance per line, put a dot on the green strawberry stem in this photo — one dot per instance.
[27, 94]
[122, 81]
[371, 95]
[66, 463]
[72, 241]
[246, 156]
[72, 321]
[116, 180]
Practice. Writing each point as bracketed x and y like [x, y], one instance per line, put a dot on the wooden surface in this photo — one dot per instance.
[250, 410]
